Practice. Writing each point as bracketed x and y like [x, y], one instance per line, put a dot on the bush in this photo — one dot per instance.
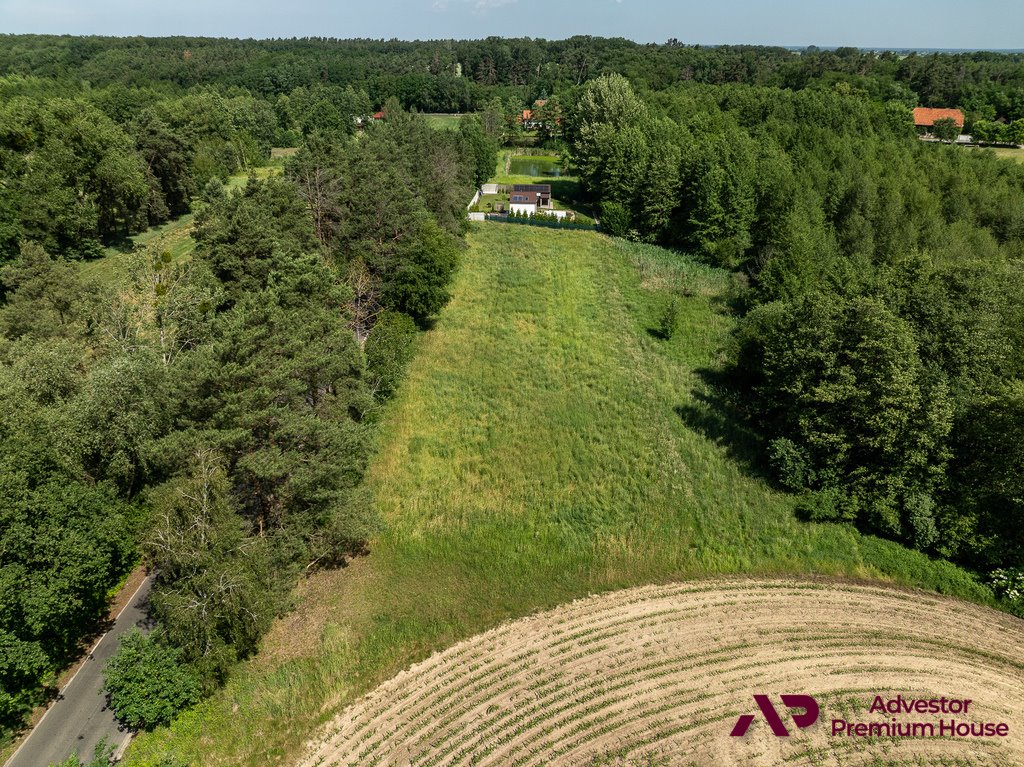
[102, 757]
[388, 350]
[669, 319]
[920, 513]
[146, 682]
[615, 219]
[1008, 584]
[828, 505]
[790, 464]
[22, 665]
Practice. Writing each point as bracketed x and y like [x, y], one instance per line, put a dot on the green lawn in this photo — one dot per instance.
[546, 445]
[444, 121]
[174, 236]
[1011, 154]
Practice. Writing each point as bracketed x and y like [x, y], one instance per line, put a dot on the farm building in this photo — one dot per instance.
[925, 118]
[530, 198]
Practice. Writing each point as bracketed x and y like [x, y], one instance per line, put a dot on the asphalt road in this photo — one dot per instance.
[79, 717]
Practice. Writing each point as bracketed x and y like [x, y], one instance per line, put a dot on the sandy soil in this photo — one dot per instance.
[659, 675]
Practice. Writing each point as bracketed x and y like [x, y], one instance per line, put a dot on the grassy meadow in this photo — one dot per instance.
[545, 445]
[1011, 154]
[444, 121]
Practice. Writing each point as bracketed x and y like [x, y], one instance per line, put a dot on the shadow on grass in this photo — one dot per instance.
[121, 243]
[717, 413]
[565, 190]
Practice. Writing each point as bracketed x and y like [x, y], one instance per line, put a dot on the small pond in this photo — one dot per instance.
[535, 166]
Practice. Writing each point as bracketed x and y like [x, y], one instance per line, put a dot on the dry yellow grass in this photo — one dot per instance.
[659, 675]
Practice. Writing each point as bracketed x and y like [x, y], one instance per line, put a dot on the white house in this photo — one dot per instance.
[530, 199]
[523, 202]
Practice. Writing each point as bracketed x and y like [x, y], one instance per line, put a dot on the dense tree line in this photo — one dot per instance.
[881, 351]
[88, 168]
[451, 75]
[213, 416]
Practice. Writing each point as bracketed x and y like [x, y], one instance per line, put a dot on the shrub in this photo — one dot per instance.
[920, 513]
[1008, 583]
[146, 682]
[102, 757]
[828, 505]
[22, 665]
[790, 464]
[615, 218]
[388, 350]
[669, 319]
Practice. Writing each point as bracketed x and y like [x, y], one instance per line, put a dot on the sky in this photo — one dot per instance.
[995, 24]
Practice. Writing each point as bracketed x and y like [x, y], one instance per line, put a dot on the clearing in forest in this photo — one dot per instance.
[547, 444]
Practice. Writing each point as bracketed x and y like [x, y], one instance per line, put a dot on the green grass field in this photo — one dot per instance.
[444, 121]
[546, 445]
[1011, 154]
[174, 236]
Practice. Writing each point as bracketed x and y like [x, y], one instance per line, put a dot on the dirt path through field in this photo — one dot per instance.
[659, 676]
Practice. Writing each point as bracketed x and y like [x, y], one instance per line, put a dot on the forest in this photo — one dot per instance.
[210, 417]
[213, 417]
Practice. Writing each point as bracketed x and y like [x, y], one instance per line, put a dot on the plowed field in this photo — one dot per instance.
[659, 675]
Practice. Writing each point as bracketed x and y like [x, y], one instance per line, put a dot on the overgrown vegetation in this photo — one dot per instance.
[880, 356]
[209, 399]
[545, 445]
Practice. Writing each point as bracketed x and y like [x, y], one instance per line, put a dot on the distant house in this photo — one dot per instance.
[378, 115]
[925, 118]
[530, 199]
[533, 119]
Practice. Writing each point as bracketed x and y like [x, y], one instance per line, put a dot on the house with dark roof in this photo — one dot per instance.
[530, 198]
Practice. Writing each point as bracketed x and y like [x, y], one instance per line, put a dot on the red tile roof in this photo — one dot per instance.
[378, 115]
[926, 117]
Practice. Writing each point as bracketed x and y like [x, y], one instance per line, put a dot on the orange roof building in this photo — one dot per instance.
[926, 118]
